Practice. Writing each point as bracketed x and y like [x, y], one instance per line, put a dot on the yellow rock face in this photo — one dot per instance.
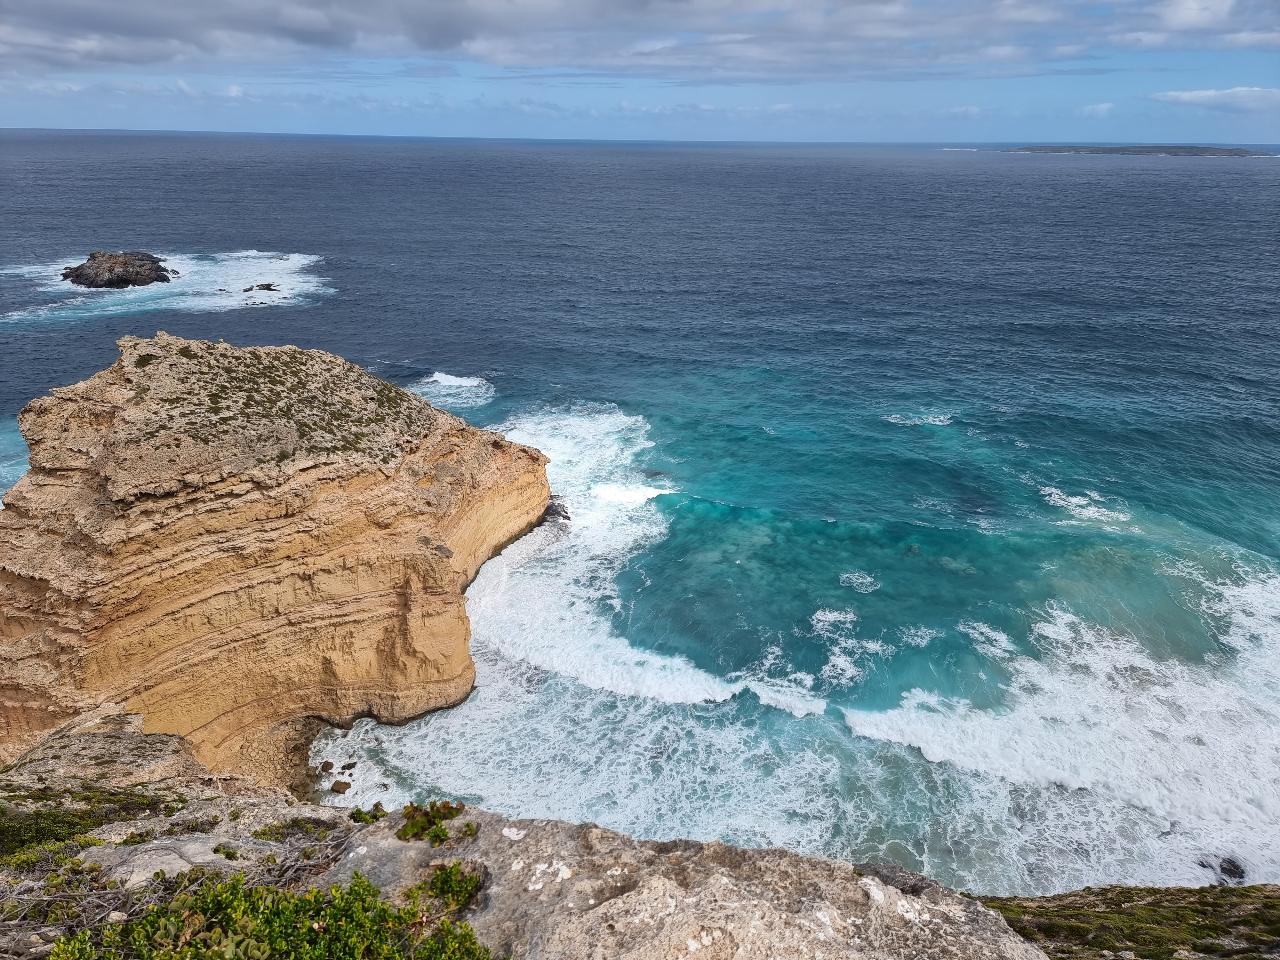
[229, 541]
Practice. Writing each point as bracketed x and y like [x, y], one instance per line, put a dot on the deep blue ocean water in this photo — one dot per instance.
[925, 503]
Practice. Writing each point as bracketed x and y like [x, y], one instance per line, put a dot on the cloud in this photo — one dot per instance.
[1236, 100]
[680, 40]
[1195, 14]
[1096, 111]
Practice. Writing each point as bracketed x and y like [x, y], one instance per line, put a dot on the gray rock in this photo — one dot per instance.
[126, 268]
[559, 891]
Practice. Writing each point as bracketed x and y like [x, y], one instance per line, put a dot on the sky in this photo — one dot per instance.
[1188, 71]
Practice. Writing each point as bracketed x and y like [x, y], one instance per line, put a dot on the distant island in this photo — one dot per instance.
[1144, 150]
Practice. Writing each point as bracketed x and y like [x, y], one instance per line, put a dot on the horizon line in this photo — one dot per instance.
[634, 140]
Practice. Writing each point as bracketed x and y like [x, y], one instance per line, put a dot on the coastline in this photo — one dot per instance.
[549, 888]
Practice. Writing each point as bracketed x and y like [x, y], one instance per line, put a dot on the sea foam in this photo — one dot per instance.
[454, 393]
[205, 283]
[919, 420]
[1104, 763]
[1136, 767]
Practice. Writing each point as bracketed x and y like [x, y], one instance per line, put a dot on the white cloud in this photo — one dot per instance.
[1236, 99]
[1096, 111]
[1253, 38]
[684, 40]
[1195, 14]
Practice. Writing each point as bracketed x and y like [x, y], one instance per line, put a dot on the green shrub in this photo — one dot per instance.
[40, 857]
[309, 827]
[229, 920]
[372, 815]
[452, 886]
[427, 823]
[63, 814]
[194, 825]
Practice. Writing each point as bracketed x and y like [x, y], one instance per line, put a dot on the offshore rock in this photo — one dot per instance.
[128, 268]
[236, 543]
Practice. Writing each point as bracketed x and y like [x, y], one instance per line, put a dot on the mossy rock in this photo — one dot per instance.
[1153, 923]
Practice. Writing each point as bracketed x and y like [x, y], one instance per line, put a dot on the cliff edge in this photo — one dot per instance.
[124, 821]
[232, 542]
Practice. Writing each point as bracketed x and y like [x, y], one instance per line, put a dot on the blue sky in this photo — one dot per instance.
[861, 70]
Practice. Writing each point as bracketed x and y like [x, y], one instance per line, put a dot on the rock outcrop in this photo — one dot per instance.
[551, 890]
[127, 268]
[231, 542]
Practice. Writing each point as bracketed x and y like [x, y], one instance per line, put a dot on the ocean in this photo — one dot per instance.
[925, 502]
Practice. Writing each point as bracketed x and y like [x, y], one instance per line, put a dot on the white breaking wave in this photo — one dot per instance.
[859, 580]
[1088, 507]
[568, 719]
[445, 390]
[919, 420]
[1135, 767]
[1104, 763]
[988, 640]
[547, 600]
[847, 653]
[205, 284]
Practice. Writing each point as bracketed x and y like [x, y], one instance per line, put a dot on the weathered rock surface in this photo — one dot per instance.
[559, 891]
[231, 541]
[553, 891]
[127, 268]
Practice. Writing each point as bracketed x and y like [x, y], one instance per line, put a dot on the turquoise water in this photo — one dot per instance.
[924, 504]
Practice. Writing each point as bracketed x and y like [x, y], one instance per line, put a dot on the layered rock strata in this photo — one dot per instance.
[229, 541]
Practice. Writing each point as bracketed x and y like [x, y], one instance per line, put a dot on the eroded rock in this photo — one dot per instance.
[230, 542]
[125, 268]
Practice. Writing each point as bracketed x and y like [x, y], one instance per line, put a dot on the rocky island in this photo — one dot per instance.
[126, 268]
[215, 550]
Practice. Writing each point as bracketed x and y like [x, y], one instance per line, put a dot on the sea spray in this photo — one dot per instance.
[454, 392]
[204, 283]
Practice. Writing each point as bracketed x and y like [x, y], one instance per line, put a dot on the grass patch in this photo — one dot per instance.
[312, 828]
[33, 816]
[1153, 923]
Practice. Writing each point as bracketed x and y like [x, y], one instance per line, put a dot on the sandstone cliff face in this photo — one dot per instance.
[227, 541]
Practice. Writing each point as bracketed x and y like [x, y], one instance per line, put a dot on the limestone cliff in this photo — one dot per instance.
[229, 540]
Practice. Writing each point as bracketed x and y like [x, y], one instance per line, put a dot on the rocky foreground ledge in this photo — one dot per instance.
[236, 542]
[151, 823]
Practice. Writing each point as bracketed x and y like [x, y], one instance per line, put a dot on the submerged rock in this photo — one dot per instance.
[126, 268]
